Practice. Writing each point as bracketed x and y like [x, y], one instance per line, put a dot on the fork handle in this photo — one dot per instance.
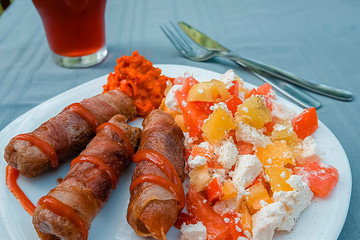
[289, 77]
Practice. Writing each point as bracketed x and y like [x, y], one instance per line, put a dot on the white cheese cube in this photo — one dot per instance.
[309, 151]
[267, 220]
[171, 101]
[247, 168]
[295, 201]
[227, 153]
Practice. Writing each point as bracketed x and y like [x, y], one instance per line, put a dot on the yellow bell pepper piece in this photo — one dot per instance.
[218, 125]
[253, 111]
[275, 154]
[278, 177]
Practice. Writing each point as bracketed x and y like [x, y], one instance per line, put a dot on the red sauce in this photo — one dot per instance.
[100, 165]
[45, 147]
[122, 135]
[172, 184]
[64, 210]
[140, 80]
[85, 114]
[11, 181]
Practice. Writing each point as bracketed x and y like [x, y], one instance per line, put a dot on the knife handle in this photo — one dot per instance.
[289, 77]
[300, 97]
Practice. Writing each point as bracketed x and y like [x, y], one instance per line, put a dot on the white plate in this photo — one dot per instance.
[322, 220]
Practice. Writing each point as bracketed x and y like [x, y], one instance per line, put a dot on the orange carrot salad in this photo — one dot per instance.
[140, 80]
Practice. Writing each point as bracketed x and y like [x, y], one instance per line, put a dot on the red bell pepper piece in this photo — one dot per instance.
[194, 114]
[233, 103]
[213, 191]
[305, 123]
[234, 89]
[197, 206]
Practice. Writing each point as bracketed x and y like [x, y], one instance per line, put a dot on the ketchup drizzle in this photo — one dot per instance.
[100, 165]
[64, 210]
[172, 184]
[122, 135]
[45, 147]
[11, 181]
[85, 114]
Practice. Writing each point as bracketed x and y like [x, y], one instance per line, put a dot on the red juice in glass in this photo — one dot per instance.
[75, 30]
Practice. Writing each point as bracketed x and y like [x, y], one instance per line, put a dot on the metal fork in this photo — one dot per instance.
[193, 51]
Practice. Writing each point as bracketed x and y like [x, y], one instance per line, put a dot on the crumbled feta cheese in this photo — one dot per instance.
[187, 139]
[283, 174]
[267, 220]
[171, 101]
[309, 151]
[220, 105]
[282, 112]
[205, 145]
[184, 103]
[243, 238]
[219, 173]
[247, 168]
[226, 220]
[225, 206]
[247, 234]
[295, 201]
[227, 153]
[197, 161]
[263, 203]
[228, 77]
[279, 127]
[249, 134]
[241, 95]
[193, 232]
[238, 228]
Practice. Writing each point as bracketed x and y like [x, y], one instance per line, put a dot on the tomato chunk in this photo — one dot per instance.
[213, 191]
[305, 123]
[184, 218]
[245, 148]
[193, 114]
[234, 89]
[233, 103]
[215, 226]
[321, 178]
[211, 158]
[233, 220]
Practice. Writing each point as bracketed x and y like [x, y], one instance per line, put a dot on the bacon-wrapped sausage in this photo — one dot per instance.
[156, 190]
[66, 134]
[67, 211]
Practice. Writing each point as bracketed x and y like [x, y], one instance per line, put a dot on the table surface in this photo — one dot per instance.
[318, 40]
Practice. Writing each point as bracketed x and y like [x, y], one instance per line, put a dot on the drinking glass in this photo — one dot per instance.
[75, 30]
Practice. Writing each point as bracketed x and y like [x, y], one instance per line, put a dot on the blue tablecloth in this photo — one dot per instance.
[318, 40]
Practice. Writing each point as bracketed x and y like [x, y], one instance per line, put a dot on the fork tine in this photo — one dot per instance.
[172, 39]
[190, 43]
[178, 39]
